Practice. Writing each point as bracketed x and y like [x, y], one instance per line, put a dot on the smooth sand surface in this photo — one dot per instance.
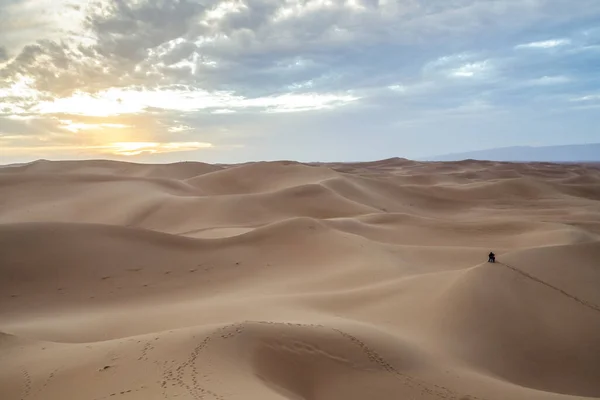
[282, 280]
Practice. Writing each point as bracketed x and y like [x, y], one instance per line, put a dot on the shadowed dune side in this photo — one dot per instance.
[260, 177]
[574, 268]
[389, 197]
[95, 263]
[413, 230]
[270, 360]
[533, 329]
[297, 360]
[273, 191]
[61, 266]
[369, 167]
[170, 206]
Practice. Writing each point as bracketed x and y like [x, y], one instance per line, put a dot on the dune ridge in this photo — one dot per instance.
[284, 280]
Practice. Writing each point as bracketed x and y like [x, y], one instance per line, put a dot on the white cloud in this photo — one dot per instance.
[223, 9]
[180, 128]
[223, 111]
[449, 60]
[590, 97]
[80, 126]
[290, 102]
[20, 93]
[398, 88]
[301, 85]
[298, 9]
[471, 69]
[545, 44]
[462, 65]
[128, 101]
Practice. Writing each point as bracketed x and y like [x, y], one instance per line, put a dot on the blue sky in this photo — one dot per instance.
[321, 80]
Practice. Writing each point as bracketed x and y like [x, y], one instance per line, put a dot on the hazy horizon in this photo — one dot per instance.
[232, 81]
[582, 153]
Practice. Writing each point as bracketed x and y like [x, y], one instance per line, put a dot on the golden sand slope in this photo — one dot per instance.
[284, 280]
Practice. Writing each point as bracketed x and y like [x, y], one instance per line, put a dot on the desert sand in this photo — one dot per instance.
[283, 280]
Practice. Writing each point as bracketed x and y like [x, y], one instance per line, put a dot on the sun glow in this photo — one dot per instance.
[114, 102]
[113, 148]
[103, 105]
[137, 148]
[76, 126]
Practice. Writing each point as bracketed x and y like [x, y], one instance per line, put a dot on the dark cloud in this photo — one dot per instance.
[126, 30]
[58, 68]
[126, 33]
[30, 130]
[3, 54]
[253, 49]
[180, 51]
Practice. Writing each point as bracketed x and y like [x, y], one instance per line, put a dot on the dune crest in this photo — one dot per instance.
[283, 280]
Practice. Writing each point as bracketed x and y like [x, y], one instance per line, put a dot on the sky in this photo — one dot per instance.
[309, 80]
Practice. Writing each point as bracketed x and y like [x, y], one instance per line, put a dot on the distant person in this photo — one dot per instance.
[492, 257]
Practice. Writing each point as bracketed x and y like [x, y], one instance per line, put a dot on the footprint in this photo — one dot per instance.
[27, 384]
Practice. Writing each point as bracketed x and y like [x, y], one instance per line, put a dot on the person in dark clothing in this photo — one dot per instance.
[492, 257]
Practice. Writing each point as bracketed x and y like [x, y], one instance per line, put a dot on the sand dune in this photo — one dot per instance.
[181, 170]
[283, 280]
[260, 177]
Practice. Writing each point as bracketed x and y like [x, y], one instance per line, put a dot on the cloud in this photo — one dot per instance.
[448, 60]
[462, 65]
[117, 102]
[545, 44]
[471, 69]
[128, 43]
[127, 30]
[77, 127]
[398, 88]
[589, 97]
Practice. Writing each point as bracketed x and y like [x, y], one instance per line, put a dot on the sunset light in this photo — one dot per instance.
[137, 148]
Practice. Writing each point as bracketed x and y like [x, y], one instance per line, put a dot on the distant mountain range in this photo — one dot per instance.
[566, 153]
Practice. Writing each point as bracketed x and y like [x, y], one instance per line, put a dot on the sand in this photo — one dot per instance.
[282, 280]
